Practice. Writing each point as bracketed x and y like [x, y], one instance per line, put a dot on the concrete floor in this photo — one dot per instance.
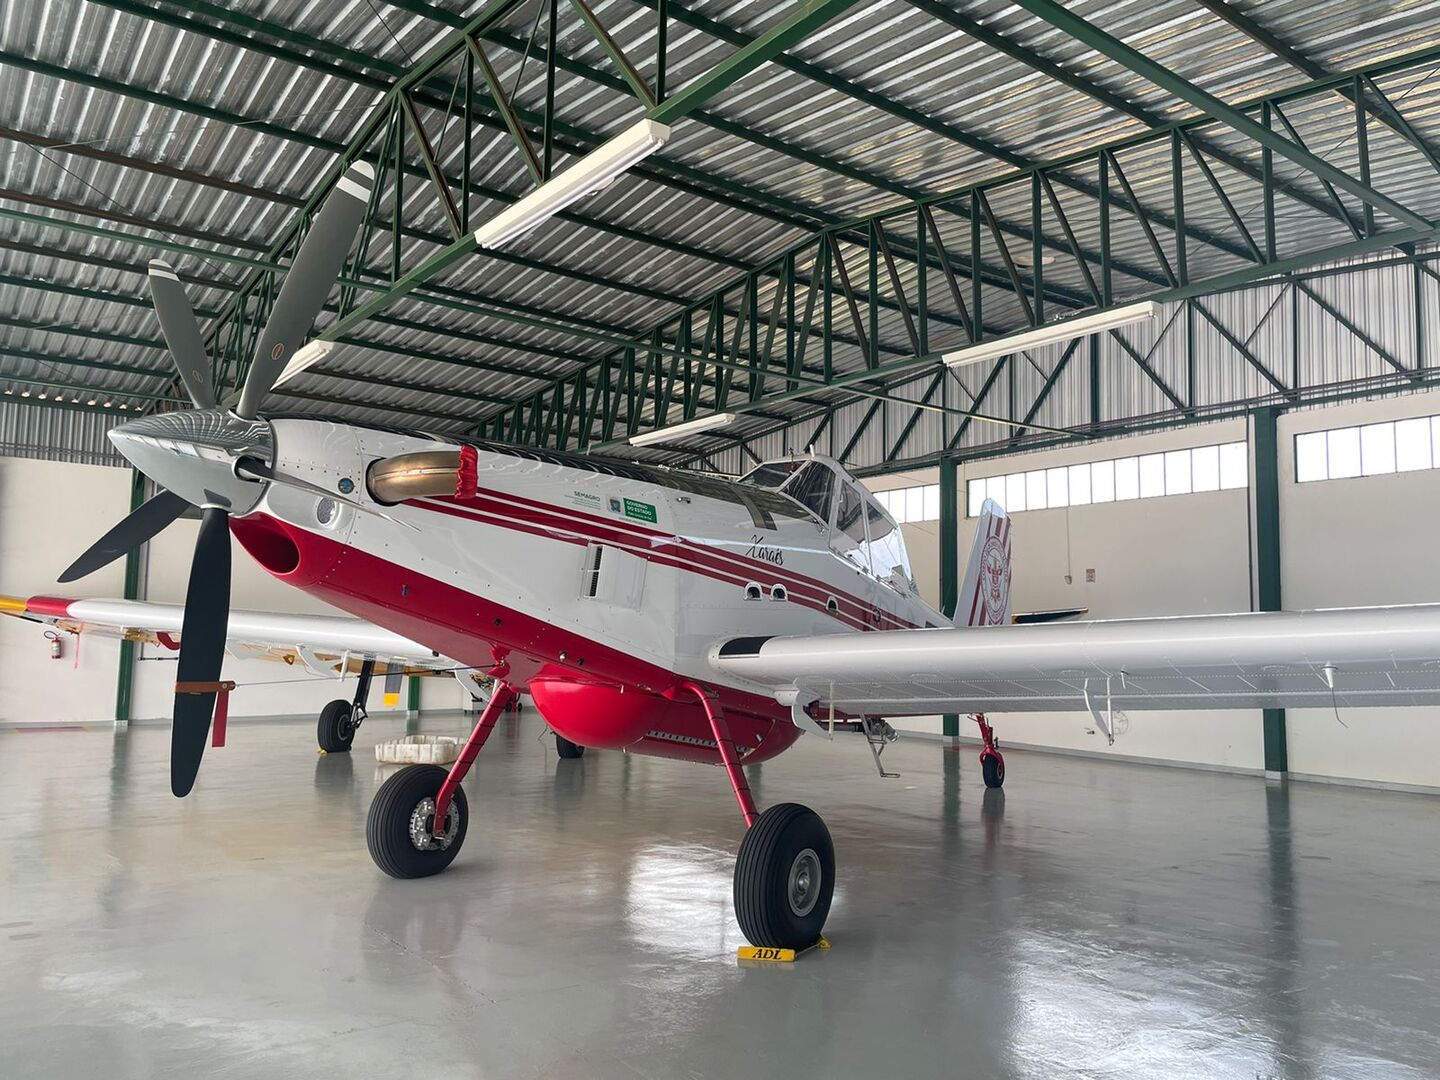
[1097, 920]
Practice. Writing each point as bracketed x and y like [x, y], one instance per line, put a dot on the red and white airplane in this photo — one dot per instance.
[658, 611]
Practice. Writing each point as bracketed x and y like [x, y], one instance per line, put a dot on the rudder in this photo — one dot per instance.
[985, 592]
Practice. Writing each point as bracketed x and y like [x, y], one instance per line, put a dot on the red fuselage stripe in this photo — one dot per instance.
[698, 558]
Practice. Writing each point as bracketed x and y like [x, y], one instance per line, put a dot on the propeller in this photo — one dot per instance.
[182, 333]
[312, 274]
[142, 523]
[202, 648]
[224, 449]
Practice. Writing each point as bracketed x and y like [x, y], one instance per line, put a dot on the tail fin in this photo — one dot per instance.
[985, 593]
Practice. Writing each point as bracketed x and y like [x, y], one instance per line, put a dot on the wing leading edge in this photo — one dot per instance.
[1349, 657]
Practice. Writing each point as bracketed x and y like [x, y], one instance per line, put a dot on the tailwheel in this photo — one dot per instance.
[992, 767]
[784, 878]
[567, 749]
[401, 830]
[335, 731]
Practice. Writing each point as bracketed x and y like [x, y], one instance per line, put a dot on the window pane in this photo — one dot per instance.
[932, 502]
[1035, 490]
[1014, 492]
[1377, 449]
[976, 492]
[1127, 478]
[1234, 466]
[914, 504]
[1079, 485]
[1152, 475]
[1310, 457]
[995, 489]
[1412, 444]
[1057, 487]
[1102, 481]
[1177, 472]
[1435, 434]
[1343, 445]
[1205, 468]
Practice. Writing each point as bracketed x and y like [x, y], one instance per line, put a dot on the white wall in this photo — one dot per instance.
[1369, 540]
[50, 512]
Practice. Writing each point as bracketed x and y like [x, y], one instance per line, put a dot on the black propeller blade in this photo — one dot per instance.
[182, 333]
[308, 281]
[143, 523]
[202, 648]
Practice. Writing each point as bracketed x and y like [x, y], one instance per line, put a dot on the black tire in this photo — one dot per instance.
[567, 749]
[387, 829]
[992, 767]
[772, 848]
[334, 731]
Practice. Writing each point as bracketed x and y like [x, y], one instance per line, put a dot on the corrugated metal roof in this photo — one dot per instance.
[131, 131]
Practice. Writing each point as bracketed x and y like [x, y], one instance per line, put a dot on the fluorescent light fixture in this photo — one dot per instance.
[1048, 335]
[308, 356]
[690, 427]
[590, 173]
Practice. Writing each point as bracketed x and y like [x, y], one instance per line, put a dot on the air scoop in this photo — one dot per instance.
[194, 454]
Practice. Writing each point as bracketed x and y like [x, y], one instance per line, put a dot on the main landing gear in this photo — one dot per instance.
[785, 872]
[418, 817]
[992, 764]
[340, 719]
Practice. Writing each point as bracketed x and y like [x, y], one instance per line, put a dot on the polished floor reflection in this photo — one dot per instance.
[1095, 920]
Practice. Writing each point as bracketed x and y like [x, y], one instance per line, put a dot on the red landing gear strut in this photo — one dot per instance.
[992, 764]
[785, 872]
[500, 699]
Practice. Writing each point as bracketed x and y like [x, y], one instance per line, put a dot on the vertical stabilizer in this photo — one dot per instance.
[985, 592]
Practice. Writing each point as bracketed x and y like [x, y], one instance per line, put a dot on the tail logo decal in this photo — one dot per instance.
[995, 575]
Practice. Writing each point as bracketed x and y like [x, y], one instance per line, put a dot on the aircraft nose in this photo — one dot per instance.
[193, 454]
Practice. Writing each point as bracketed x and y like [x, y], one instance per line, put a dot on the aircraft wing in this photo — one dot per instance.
[322, 643]
[1346, 657]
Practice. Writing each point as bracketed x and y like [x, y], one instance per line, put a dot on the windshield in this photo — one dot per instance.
[811, 488]
[772, 474]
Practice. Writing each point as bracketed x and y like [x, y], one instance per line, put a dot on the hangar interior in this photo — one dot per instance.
[843, 213]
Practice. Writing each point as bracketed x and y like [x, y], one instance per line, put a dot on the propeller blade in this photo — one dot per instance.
[182, 333]
[311, 276]
[142, 523]
[202, 647]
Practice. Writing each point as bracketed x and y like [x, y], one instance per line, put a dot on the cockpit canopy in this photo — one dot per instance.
[860, 528]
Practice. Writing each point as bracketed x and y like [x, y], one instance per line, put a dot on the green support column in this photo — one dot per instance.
[949, 560]
[1265, 447]
[125, 684]
[413, 706]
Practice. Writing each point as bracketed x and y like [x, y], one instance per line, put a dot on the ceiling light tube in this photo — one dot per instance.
[590, 173]
[1064, 330]
[690, 427]
[308, 356]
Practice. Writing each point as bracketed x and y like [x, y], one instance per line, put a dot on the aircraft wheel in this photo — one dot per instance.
[400, 830]
[992, 767]
[567, 749]
[784, 878]
[335, 730]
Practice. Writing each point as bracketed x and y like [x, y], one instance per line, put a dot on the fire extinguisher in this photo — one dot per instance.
[57, 645]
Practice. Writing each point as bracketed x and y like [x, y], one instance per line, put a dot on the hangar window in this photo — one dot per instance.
[1368, 449]
[1145, 476]
[907, 504]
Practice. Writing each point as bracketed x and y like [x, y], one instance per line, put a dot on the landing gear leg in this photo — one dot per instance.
[418, 817]
[339, 720]
[785, 872]
[992, 764]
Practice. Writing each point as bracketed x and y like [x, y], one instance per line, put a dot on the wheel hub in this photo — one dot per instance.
[803, 890]
[422, 826]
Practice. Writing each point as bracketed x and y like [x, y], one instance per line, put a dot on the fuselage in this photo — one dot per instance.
[597, 586]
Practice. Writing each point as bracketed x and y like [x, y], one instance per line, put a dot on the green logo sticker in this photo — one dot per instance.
[640, 511]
